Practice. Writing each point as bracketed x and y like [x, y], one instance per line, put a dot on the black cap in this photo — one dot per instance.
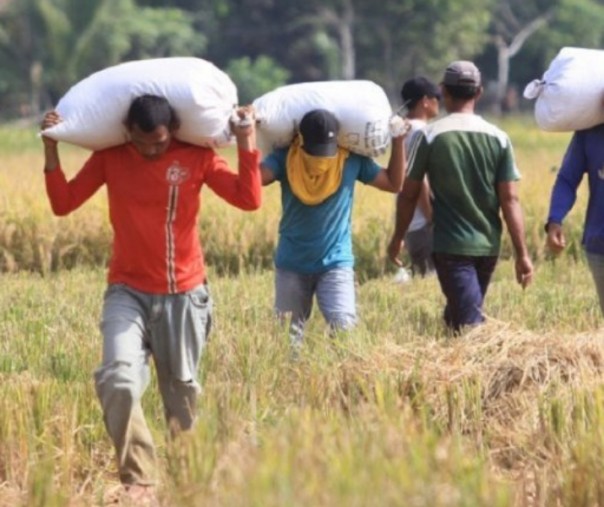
[319, 130]
[417, 88]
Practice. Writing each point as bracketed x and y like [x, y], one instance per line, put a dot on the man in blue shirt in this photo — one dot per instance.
[314, 253]
[584, 155]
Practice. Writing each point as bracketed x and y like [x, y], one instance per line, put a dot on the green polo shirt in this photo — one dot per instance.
[465, 157]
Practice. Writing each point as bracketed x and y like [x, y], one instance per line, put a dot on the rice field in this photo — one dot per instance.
[396, 412]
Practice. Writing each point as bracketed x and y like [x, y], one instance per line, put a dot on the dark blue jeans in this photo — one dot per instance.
[464, 281]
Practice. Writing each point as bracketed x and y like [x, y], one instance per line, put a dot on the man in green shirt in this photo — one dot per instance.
[470, 165]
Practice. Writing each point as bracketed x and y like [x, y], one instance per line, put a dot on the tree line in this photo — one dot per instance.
[48, 45]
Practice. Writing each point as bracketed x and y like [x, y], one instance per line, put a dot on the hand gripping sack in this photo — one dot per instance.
[94, 109]
[569, 96]
[361, 107]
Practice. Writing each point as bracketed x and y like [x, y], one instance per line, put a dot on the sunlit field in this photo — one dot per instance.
[395, 413]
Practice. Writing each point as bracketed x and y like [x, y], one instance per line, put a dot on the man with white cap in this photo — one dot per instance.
[473, 175]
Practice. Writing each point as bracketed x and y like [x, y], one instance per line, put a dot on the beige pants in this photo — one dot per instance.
[173, 329]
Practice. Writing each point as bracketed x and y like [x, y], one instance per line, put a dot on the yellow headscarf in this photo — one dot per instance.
[314, 179]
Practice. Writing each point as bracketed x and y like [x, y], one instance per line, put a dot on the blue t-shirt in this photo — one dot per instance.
[585, 154]
[315, 239]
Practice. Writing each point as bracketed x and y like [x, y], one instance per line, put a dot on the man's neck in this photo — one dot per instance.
[420, 117]
[462, 106]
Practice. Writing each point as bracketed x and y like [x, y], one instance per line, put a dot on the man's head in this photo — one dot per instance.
[420, 92]
[319, 130]
[416, 89]
[462, 80]
[151, 121]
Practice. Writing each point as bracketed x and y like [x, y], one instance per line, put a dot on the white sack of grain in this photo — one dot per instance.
[94, 109]
[361, 107]
[570, 95]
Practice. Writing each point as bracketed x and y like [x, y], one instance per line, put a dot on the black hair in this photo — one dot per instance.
[412, 103]
[462, 91]
[148, 112]
[416, 88]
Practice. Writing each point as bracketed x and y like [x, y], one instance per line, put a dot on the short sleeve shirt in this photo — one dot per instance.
[315, 239]
[465, 158]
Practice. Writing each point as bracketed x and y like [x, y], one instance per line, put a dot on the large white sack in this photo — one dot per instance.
[569, 96]
[94, 109]
[361, 107]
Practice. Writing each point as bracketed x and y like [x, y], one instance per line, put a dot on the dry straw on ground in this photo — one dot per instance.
[515, 393]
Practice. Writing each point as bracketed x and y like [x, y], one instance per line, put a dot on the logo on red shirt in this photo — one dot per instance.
[177, 174]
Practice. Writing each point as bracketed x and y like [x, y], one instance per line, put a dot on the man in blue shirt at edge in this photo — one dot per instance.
[583, 155]
[314, 253]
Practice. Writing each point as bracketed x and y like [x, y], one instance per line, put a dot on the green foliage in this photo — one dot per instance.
[156, 33]
[577, 24]
[419, 37]
[58, 42]
[254, 78]
[137, 33]
[574, 23]
[48, 45]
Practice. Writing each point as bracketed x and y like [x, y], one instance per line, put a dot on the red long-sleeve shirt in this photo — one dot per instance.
[153, 208]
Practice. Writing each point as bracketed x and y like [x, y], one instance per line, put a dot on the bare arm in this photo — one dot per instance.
[424, 203]
[391, 178]
[405, 206]
[267, 175]
[556, 241]
[243, 127]
[51, 152]
[512, 215]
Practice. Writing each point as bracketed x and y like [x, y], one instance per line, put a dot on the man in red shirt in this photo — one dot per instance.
[157, 302]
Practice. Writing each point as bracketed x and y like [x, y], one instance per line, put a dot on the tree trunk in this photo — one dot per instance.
[505, 52]
[35, 77]
[345, 34]
[503, 74]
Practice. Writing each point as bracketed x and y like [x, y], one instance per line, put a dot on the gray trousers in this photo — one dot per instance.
[335, 293]
[419, 246]
[172, 329]
[596, 266]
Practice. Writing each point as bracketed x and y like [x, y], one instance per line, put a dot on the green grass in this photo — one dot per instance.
[395, 410]
[395, 413]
